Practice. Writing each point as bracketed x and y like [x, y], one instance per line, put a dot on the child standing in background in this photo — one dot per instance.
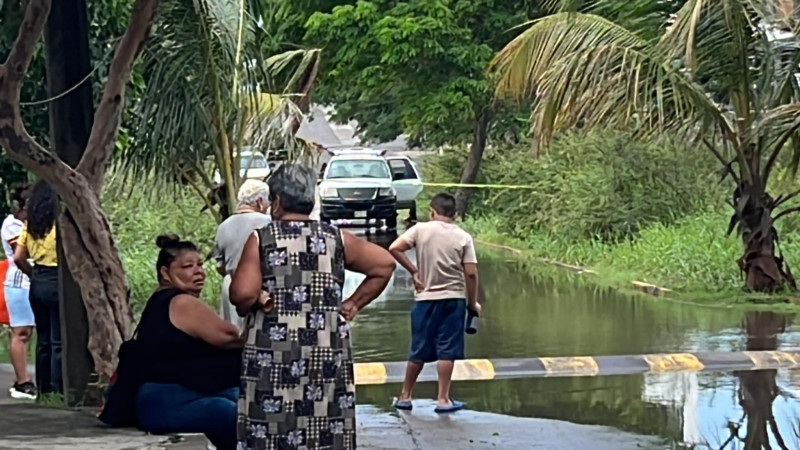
[446, 284]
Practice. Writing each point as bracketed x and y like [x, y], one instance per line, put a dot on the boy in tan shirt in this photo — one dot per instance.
[445, 281]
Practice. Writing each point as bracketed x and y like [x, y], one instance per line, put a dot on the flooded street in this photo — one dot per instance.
[529, 316]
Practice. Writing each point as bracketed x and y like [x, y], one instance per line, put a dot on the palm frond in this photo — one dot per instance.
[644, 17]
[775, 129]
[199, 104]
[268, 119]
[298, 64]
[705, 29]
[588, 72]
[524, 61]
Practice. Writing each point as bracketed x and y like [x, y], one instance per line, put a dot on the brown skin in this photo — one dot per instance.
[187, 312]
[21, 257]
[20, 336]
[360, 256]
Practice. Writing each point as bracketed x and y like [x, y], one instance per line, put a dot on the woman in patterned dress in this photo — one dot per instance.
[298, 388]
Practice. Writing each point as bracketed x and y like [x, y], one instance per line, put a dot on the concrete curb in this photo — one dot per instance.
[641, 286]
[583, 366]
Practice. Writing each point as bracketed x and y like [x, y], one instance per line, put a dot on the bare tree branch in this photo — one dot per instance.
[781, 199]
[786, 212]
[721, 159]
[108, 116]
[13, 71]
[22, 148]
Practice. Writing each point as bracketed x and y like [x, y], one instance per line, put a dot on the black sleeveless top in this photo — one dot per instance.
[171, 356]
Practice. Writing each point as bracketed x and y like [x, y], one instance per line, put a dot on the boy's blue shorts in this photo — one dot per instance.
[437, 330]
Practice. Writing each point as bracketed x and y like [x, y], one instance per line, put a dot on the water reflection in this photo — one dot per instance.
[758, 390]
[528, 315]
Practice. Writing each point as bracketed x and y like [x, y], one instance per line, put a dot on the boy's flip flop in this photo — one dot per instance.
[403, 405]
[456, 406]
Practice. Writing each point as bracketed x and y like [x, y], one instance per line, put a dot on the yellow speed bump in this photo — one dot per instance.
[773, 359]
[676, 362]
[473, 369]
[370, 373]
[575, 366]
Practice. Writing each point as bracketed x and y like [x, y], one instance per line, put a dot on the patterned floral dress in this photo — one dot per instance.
[298, 389]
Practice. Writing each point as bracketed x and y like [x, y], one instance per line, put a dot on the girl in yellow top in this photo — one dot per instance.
[37, 243]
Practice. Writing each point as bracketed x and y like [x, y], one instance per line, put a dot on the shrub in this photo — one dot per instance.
[601, 185]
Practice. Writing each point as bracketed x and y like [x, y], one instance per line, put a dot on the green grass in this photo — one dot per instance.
[693, 258]
[52, 400]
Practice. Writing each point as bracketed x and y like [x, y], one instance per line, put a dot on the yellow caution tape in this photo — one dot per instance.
[480, 186]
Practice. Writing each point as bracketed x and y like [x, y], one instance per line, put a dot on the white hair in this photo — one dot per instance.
[251, 191]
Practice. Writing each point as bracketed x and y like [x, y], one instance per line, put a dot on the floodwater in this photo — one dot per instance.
[530, 316]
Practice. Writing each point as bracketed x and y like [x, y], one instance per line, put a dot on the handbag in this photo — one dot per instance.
[119, 408]
[4, 318]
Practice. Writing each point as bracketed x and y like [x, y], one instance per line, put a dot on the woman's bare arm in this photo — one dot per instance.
[374, 262]
[198, 320]
[21, 256]
[245, 287]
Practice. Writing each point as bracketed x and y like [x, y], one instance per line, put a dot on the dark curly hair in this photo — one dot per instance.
[42, 209]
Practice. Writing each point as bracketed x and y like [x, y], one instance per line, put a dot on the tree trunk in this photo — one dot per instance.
[89, 246]
[97, 268]
[473, 164]
[68, 63]
[764, 270]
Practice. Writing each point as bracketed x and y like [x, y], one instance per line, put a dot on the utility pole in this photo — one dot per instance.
[71, 117]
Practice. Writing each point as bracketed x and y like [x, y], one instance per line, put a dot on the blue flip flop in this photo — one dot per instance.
[403, 405]
[456, 406]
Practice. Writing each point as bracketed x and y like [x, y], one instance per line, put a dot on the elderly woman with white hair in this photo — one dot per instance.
[251, 214]
[298, 388]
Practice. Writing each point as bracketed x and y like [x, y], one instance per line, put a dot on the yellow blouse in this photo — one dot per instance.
[42, 251]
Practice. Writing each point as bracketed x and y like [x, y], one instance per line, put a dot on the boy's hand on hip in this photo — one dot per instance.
[349, 310]
[418, 285]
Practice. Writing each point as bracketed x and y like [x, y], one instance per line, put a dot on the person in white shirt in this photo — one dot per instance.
[251, 214]
[16, 287]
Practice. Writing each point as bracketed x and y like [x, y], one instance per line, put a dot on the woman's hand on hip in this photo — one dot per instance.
[265, 302]
[349, 310]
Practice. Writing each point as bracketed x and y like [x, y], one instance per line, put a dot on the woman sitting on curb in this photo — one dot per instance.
[190, 377]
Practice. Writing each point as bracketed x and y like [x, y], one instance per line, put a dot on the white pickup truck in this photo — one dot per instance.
[366, 185]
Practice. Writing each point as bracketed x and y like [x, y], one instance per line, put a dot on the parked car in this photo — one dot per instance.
[407, 182]
[358, 186]
[254, 165]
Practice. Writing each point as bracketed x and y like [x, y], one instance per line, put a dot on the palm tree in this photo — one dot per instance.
[723, 72]
[209, 92]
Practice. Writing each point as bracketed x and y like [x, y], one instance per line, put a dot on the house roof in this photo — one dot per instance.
[318, 130]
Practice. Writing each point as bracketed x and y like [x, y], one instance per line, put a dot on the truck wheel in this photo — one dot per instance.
[391, 222]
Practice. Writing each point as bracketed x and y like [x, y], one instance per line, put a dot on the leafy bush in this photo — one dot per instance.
[601, 185]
